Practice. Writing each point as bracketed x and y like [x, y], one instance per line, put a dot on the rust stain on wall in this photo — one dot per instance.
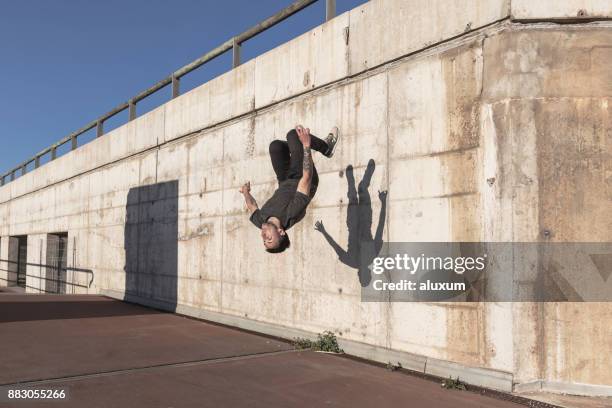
[462, 71]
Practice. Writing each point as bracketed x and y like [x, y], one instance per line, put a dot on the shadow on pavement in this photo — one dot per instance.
[55, 309]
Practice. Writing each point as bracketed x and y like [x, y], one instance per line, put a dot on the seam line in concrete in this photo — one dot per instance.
[109, 373]
[560, 21]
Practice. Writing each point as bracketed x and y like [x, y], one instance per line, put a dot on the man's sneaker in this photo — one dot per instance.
[332, 141]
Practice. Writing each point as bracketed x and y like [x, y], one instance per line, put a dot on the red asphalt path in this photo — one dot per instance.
[107, 353]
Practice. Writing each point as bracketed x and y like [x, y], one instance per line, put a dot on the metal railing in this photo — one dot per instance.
[56, 281]
[234, 44]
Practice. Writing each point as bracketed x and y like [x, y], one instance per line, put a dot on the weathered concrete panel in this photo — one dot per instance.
[142, 133]
[434, 103]
[575, 338]
[406, 26]
[37, 255]
[545, 124]
[4, 265]
[308, 61]
[575, 153]
[560, 9]
[188, 112]
[548, 63]
[232, 93]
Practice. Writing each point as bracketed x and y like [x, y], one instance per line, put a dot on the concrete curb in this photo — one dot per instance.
[559, 387]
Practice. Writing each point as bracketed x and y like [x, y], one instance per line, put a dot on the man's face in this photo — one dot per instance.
[271, 235]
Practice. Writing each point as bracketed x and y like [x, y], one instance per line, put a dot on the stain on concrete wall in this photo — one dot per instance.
[550, 91]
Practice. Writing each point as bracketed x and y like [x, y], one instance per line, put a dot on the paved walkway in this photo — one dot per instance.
[107, 353]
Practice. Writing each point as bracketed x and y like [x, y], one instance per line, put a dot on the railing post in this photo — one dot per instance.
[37, 162]
[132, 110]
[53, 153]
[176, 84]
[13, 175]
[235, 53]
[99, 128]
[2, 181]
[73, 139]
[330, 9]
[23, 170]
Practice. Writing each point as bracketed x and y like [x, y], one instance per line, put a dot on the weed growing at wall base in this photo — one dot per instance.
[453, 384]
[326, 341]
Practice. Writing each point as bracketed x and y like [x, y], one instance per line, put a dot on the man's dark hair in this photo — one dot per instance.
[283, 244]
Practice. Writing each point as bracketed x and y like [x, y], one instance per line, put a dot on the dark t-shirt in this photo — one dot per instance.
[287, 204]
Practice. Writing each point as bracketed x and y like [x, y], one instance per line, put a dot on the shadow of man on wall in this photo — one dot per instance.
[151, 244]
[362, 246]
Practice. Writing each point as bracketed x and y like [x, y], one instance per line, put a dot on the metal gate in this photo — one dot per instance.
[22, 260]
[57, 245]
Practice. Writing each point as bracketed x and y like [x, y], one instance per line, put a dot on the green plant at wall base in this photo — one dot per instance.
[453, 384]
[302, 344]
[326, 341]
[394, 367]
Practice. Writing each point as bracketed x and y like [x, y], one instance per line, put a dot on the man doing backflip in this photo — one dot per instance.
[297, 185]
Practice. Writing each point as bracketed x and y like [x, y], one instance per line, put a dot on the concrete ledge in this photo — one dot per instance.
[481, 377]
[559, 387]
[379, 354]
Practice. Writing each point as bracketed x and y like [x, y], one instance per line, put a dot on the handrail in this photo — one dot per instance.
[55, 267]
[234, 44]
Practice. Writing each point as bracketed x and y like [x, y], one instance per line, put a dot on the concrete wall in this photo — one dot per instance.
[548, 115]
[6, 277]
[441, 97]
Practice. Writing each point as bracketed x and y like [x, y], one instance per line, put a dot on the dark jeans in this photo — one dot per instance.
[288, 157]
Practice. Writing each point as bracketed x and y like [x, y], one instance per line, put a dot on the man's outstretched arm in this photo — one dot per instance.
[378, 238]
[249, 200]
[307, 166]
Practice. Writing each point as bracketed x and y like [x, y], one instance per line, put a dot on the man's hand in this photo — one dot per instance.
[303, 135]
[250, 202]
[246, 188]
[382, 195]
[319, 226]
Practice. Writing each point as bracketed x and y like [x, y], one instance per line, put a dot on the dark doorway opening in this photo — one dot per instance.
[57, 248]
[22, 260]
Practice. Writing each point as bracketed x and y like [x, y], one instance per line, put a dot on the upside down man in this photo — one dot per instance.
[297, 177]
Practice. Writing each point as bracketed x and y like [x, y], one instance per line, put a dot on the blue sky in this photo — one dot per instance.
[63, 63]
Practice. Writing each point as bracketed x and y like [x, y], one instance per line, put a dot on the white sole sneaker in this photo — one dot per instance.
[332, 141]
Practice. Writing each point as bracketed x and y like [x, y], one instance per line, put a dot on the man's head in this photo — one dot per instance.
[275, 239]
